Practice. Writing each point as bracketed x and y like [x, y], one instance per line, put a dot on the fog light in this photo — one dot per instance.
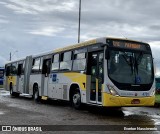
[112, 91]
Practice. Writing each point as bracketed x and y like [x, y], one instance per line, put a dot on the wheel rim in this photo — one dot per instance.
[76, 99]
[36, 95]
[11, 90]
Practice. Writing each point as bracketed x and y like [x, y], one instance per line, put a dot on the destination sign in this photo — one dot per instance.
[128, 45]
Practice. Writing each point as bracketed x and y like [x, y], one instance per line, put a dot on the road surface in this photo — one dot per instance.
[24, 111]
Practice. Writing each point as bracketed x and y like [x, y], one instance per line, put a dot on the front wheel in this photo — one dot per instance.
[76, 100]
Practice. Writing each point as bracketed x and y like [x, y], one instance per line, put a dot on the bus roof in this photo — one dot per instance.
[76, 46]
[91, 42]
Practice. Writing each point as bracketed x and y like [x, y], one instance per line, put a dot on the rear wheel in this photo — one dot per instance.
[36, 94]
[12, 94]
[16, 94]
[76, 99]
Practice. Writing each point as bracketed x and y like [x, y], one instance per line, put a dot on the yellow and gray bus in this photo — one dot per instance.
[108, 72]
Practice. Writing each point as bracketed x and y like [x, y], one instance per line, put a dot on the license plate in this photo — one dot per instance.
[135, 101]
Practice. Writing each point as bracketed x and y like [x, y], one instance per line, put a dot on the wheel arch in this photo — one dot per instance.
[35, 84]
[73, 87]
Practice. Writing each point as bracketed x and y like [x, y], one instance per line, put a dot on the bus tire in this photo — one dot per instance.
[36, 94]
[76, 99]
[17, 94]
[12, 94]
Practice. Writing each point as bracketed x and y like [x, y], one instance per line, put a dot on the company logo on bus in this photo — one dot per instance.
[129, 94]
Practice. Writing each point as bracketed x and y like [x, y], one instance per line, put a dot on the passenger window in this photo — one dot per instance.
[20, 68]
[36, 64]
[40, 68]
[79, 63]
[55, 63]
[14, 69]
[66, 61]
[8, 70]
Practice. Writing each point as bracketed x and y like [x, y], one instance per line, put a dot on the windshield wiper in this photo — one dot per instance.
[130, 62]
[137, 61]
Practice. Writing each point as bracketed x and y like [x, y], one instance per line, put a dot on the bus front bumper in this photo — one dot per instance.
[118, 101]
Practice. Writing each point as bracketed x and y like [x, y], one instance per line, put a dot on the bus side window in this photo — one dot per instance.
[13, 70]
[7, 70]
[79, 63]
[66, 62]
[35, 65]
[20, 68]
[23, 66]
[55, 62]
[33, 62]
[41, 62]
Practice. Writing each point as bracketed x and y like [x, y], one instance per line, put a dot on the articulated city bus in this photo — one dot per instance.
[108, 72]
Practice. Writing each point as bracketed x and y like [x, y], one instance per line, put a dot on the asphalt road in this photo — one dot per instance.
[24, 111]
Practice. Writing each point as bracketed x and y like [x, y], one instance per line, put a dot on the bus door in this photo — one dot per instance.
[46, 69]
[20, 78]
[96, 72]
[7, 73]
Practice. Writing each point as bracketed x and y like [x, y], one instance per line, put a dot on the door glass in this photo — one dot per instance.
[96, 76]
[46, 67]
[93, 77]
[100, 76]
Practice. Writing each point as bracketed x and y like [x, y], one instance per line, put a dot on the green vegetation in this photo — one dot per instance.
[1, 86]
[157, 98]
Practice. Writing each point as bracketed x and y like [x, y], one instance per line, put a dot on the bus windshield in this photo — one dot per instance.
[126, 67]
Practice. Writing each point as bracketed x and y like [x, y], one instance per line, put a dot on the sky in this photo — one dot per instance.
[33, 26]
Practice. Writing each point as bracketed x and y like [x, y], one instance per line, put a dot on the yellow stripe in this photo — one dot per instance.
[77, 78]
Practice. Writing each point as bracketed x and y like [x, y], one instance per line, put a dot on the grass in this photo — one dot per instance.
[157, 98]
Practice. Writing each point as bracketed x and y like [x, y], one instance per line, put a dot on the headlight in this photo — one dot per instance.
[112, 90]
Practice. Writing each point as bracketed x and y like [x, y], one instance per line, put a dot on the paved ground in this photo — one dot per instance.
[24, 111]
